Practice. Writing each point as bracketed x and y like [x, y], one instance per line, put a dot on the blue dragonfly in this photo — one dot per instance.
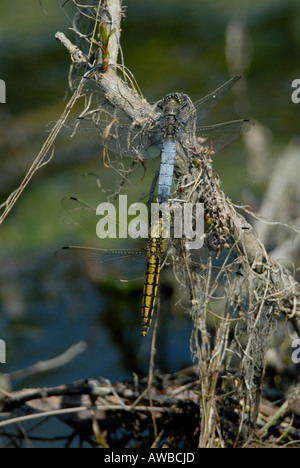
[174, 122]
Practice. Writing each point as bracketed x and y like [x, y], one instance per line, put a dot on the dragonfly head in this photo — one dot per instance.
[172, 103]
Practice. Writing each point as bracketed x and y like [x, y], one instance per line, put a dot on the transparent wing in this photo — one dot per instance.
[112, 129]
[222, 134]
[127, 263]
[129, 141]
[204, 105]
[81, 214]
[121, 264]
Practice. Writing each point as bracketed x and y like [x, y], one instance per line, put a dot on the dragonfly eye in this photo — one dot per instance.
[178, 97]
[168, 97]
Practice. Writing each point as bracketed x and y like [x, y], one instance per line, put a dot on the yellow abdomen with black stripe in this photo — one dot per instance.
[155, 250]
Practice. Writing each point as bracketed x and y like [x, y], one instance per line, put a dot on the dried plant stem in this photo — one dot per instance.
[40, 160]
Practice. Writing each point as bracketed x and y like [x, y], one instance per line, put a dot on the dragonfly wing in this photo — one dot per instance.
[132, 142]
[222, 134]
[80, 214]
[112, 129]
[119, 264]
[84, 215]
[207, 103]
[125, 263]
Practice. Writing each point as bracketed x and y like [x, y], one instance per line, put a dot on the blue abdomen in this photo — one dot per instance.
[166, 170]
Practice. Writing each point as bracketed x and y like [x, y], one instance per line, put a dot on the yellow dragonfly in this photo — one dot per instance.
[126, 264]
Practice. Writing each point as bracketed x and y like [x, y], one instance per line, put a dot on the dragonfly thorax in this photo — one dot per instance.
[171, 117]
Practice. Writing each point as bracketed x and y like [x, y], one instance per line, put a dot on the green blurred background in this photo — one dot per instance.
[168, 45]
